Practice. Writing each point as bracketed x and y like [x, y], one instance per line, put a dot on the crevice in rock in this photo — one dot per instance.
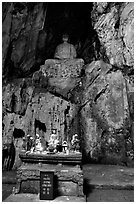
[13, 102]
[92, 81]
[83, 105]
[113, 69]
[66, 122]
[63, 95]
[100, 93]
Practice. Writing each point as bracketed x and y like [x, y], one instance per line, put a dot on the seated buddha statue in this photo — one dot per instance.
[65, 50]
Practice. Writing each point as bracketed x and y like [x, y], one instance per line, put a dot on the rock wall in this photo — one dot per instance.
[20, 32]
[114, 23]
[105, 116]
[30, 106]
[95, 100]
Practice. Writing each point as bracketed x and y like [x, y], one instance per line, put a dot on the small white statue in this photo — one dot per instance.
[64, 146]
[53, 142]
[38, 146]
[75, 143]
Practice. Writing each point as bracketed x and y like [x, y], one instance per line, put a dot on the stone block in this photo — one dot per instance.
[105, 116]
[67, 188]
[63, 74]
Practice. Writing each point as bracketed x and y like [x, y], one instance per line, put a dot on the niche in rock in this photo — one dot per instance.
[18, 133]
[40, 127]
[35, 30]
[73, 19]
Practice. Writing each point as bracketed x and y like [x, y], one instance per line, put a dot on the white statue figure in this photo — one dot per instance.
[53, 142]
[75, 143]
[38, 144]
[65, 147]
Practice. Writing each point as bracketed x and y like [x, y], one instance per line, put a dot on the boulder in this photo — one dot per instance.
[63, 75]
[105, 115]
[115, 28]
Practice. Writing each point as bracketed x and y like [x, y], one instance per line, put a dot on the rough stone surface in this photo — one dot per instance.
[23, 52]
[6, 26]
[105, 114]
[64, 75]
[16, 96]
[21, 29]
[115, 28]
[51, 111]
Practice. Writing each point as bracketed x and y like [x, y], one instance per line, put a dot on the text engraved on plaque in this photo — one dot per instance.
[46, 185]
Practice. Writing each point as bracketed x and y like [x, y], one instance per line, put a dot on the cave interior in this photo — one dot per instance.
[72, 18]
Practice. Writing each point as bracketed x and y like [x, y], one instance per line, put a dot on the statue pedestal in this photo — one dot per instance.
[63, 74]
[67, 173]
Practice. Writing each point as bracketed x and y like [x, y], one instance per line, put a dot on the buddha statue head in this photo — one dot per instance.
[65, 50]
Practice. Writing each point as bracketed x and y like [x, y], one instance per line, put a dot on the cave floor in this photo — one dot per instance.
[102, 183]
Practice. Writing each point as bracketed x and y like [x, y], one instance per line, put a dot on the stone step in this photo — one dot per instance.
[100, 195]
[108, 177]
[25, 197]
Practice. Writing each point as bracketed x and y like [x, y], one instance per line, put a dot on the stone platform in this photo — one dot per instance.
[68, 176]
[70, 159]
[63, 74]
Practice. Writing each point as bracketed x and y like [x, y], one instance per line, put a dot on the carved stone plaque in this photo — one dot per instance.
[46, 185]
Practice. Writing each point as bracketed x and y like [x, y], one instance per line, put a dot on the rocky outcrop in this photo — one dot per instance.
[94, 100]
[16, 96]
[21, 28]
[6, 27]
[63, 75]
[105, 115]
[114, 23]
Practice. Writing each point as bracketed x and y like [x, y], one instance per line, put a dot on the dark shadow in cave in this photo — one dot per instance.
[18, 133]
[40, 125]
[9, 151]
